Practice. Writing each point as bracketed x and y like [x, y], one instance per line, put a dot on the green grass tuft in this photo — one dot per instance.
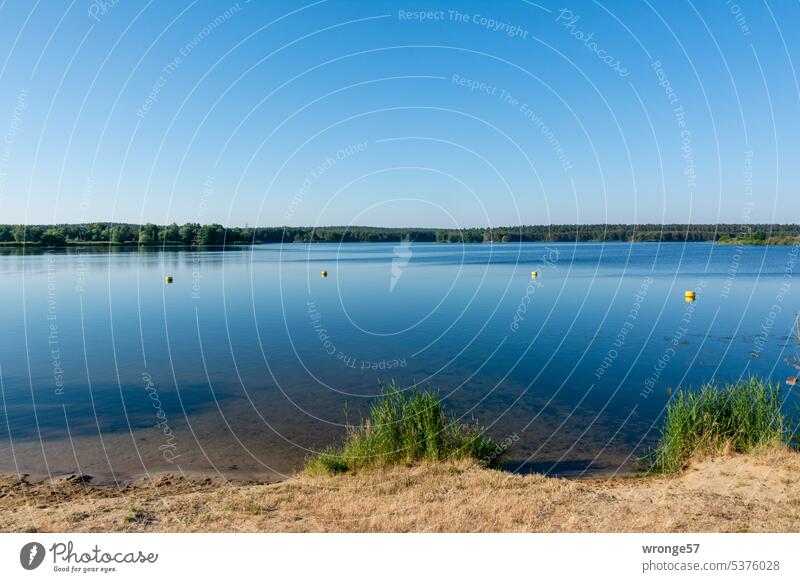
[406, 427]
[740, 418]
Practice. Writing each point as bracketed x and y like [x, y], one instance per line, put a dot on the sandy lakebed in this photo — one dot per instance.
[734, 493]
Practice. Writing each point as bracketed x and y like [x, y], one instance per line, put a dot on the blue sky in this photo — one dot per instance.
[399, 113]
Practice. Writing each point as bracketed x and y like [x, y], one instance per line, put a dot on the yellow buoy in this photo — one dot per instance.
[168, 279]
[689, 296]
[324, 274]
[534, 274]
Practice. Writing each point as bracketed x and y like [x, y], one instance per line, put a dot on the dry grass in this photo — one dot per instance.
[727, 494]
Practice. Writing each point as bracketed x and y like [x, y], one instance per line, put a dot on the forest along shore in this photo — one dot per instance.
[195, 234]
[728, 493]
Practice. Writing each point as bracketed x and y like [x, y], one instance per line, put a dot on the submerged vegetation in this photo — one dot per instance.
[215, 234]
[406, 427]
[741, 418]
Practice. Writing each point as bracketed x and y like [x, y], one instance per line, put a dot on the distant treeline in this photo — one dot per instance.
[216, 234]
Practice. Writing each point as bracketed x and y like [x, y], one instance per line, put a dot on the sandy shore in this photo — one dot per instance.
[728, 494]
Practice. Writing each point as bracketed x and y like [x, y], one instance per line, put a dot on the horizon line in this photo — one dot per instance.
[421, 228]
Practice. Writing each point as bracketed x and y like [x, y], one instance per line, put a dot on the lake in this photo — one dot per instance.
[245, 363]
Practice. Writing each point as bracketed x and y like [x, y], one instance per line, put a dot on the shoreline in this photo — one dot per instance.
[118, 480]
[252, 476]
[734, 493]
[132, 246]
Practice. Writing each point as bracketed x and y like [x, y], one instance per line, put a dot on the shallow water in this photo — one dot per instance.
[244, 364]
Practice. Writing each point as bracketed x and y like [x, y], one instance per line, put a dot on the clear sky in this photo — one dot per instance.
[418, 113]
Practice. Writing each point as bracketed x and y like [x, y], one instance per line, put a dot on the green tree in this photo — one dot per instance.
[121, 233]
[171, 233]
[19, 232]
[54, 237]
[97, 232]
[188, 233]
[148, 234]
[30, 234]
[245, 235]
[211, 234]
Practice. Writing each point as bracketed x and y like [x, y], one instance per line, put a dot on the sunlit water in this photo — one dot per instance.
[244, 364]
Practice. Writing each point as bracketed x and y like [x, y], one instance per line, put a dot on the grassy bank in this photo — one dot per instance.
[760, 239]
[740, 418]
[406, 427]
[757, 492]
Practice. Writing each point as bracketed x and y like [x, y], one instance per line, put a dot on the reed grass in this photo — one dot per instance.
[405, 427]
[740, 417]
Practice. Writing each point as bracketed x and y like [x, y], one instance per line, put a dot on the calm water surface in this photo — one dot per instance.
[244, 364]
